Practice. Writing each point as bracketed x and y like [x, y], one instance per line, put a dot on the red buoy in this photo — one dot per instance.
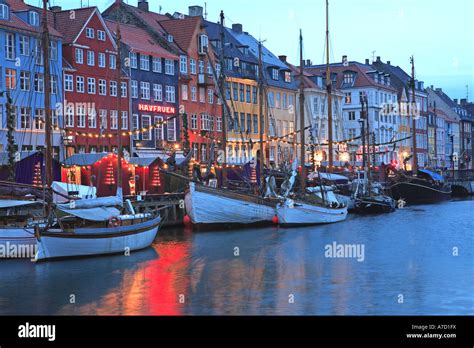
[275, 219]
[187, 220]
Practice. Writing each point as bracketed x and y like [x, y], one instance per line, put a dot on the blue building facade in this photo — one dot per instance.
[22, 76]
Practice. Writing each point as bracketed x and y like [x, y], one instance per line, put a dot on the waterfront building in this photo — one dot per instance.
[436, 97]
[432, 139]
[151, 60]
[469, 106]
[22, 76]
[465, 134]
[199, 72]
[356, 80]
[241, 95]
[279, 99]
[402, 82]
[91, 91]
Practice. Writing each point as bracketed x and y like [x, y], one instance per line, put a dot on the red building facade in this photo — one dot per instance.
[91, 84]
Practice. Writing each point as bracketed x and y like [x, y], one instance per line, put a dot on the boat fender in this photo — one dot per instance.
[114, 221]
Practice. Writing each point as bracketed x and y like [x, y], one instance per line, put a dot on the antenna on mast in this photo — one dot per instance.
[205, 10]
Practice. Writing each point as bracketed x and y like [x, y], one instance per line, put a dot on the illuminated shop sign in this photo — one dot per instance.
[157, 108]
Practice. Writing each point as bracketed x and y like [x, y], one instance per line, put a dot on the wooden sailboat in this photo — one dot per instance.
[221, 206]
[90, 226]
[308, 209]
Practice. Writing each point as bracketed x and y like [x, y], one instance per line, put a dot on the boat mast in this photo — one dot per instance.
[412, 109]
[47, 102]
[260, 108]
[119, 104]
[224, 96]
[302, 149]
[329, 89]
[367, 134]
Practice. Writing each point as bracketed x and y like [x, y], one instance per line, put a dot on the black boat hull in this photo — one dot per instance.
[419, 193]
[368, 206]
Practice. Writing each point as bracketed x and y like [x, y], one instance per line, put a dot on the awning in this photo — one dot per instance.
[93, 214]
[10, 203]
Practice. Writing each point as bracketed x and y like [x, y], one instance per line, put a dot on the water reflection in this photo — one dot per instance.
[276, 271]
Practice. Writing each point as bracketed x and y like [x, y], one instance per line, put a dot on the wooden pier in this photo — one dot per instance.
[152, 203]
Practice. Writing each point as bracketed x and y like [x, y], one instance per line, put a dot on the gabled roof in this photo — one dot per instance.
[16, 23]
[139, 40]
[72, 28]
[84, 159]
[182, 30]
[362, 79]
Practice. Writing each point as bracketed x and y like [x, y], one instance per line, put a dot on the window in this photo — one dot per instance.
[194, 121]
[81, 116]
[184, 92]
[24, 45]
[156, 64]
[218, 70]
[144, 62]
[193, 93]
[80, 84]
[135, 127]
[103, 119]
[201, 66]
[39, 83]
[112, 61]
[242, 122]
[183, 64]
[284, 101]
[90, 33]
[290, 101]
[170, 94]
[287, 76]
[278, 100]
[69, 116]
[101, 35]
[205, 122]
[271, 99]
[171, 130]
[157, 92]
[255, 124]
[247, 94]
[102, 87]
[146, 123]
[241, 92]
[79, 56]
[134, 88]
[133, 60]
[159, 130]
[10, 46]
[25, 118]
[348, 98]
[113, 88]
[169, 67]
[192, 66]
[123, 90]
[54, 84]
[351, 116]
[275, 74]
[113, 119]
[145, 90]
[249, 123]
[3, 11]
[53, 50]
[25, 80]
[219, 124]
[348, 78]
[209, 68]
[91, 85]
[210, 96]
[101, 58]
[254, 94]
[202, 95]
[92, 118]
[235, 91]
[124, 120]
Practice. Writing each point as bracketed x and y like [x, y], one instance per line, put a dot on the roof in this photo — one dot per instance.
[17, 23]
[84, 159]
[143, 161]
[71, 28]
[452, 104]
[182, 30]
[362, 78]
[139, 40]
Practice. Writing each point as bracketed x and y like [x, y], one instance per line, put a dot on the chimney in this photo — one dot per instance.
[439, 90]
[143, 5]
[237, 27]
[455, 101]
[367, 61]
[282, 58]
[308, 62]
[388, 62]
[463, 101]
[378, 59]
[55, 8]
[195, 11]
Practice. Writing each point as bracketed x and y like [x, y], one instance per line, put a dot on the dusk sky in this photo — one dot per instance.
[440, 34]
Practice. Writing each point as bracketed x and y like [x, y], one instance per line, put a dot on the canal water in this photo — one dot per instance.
[416, 261]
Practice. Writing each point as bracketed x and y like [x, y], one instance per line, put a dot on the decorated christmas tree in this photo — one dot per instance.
[109, 174]
[37, 180]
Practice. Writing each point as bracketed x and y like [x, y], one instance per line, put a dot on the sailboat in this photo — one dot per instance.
[321, 206]
[206, 205]
[423, 186]
[90, 226]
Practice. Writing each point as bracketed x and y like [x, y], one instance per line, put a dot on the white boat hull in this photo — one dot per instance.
[213, 209]
[307, 214]
[17, 242]
[106, 241]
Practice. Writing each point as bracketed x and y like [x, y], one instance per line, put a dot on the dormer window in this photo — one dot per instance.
[376, 78]
[382, 80]
[348, 78]
[287, 76]
[203, 44]
[4, 11]
[33, 18]
[275, 74]
[170, 38]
